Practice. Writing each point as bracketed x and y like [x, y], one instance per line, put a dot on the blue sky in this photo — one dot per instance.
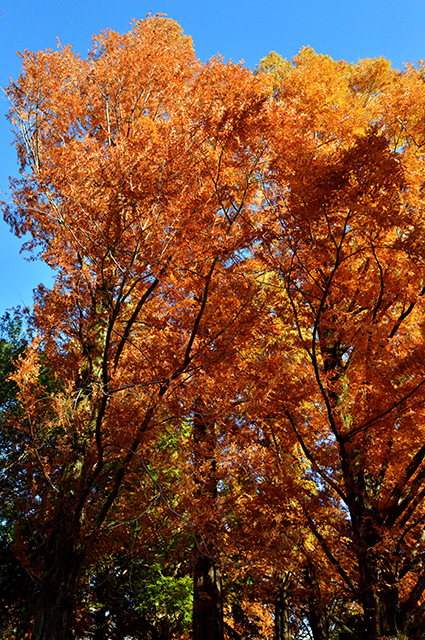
[238, 29]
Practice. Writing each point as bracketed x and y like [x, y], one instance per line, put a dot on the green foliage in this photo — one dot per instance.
[16, 589]
[165, 596]
[139, 599]
[12, 344]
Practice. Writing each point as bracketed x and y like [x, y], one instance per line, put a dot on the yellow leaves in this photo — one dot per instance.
[370, 76]
[276, 67]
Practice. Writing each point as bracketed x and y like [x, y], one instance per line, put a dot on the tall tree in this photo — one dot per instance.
[138, 183]
[242, 253]
[208, 600]
[346, 245]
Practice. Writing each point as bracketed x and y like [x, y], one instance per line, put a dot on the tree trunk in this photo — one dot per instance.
[316, 617]
[207, 595]
[281, 618]
[55, 610]
[378, 587]
[207, 599]
[380, 599]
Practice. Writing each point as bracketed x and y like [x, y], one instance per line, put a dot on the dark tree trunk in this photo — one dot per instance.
[316, 617]
[378, 588]
[380, 598]
[55, 609]
[282, 628]
[207, 595]
[207, 599]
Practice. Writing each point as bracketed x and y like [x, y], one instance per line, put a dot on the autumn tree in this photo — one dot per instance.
[238, 306]
[345, 249]
[139, 186]
[208, 601]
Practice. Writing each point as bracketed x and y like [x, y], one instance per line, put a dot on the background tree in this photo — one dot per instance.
[17, 591]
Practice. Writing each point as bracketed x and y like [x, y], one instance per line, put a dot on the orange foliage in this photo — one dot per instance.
[254, 243]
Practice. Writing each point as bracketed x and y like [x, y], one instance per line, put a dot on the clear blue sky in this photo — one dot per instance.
[238, 29]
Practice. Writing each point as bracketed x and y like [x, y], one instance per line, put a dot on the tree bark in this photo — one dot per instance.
[380, 598]
[281, 618]
[315, 607]
[378, 587]
[55, 610]
[207, 594]
[207, 599]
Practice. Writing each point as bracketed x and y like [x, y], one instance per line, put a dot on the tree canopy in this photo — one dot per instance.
[226, 382]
